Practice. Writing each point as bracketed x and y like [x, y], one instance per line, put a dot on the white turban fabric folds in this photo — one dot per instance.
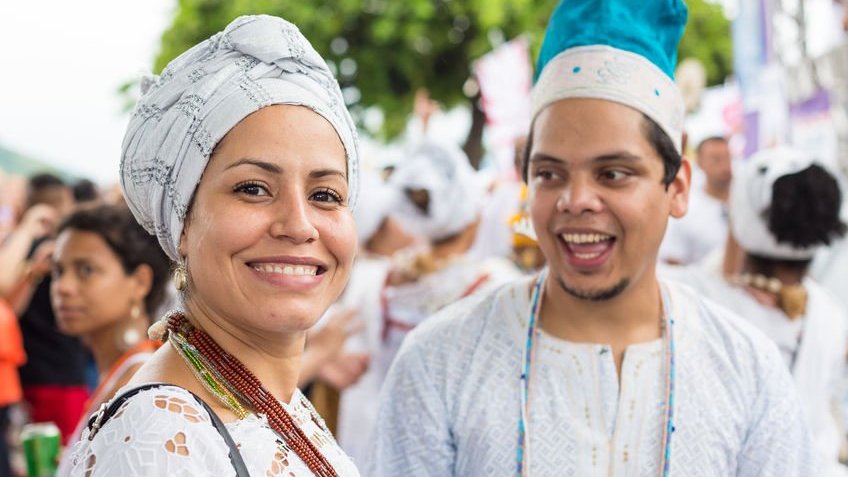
[255, 62]
[751, 197]
[454, 190]
[376, 201]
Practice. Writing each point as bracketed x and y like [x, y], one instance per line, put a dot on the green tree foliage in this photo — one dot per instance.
[384, 50]
[707, 38]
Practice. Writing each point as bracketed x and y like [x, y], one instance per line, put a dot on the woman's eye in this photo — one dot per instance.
[327, 195]
[252, 188]
[85, 271]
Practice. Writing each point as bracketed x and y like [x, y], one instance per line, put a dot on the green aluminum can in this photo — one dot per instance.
[42, 443]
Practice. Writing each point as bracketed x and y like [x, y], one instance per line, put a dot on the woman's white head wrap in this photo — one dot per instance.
[455, 192]
[255, 62]
[376, 200]
[751, 198]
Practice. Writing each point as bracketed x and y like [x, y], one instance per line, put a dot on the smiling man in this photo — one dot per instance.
[595, 367]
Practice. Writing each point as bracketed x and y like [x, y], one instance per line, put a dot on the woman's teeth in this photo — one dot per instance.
[291, 270]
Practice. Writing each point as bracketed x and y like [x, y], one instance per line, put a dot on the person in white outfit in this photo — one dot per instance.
[594, 366]
[784, 207]
[704, 227]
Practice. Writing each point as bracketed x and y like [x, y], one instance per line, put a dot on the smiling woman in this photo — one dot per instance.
[242, 160]
[270, 230]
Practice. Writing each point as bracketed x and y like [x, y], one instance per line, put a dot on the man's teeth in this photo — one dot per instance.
[585, 238]
[587, 256]
[293, 270]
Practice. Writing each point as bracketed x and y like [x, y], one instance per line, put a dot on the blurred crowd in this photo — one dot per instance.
[81, 281]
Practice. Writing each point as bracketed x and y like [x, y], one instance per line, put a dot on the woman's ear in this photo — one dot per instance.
[142, 279]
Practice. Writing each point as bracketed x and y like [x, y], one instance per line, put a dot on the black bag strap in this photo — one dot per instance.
[108, 409]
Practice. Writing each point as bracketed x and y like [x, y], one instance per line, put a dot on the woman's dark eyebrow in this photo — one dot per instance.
[264, 165]
[275, 169]
[319, 173]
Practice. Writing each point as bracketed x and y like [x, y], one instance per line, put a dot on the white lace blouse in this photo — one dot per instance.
[165, 431]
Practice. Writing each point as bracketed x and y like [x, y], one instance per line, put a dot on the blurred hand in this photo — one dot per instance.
[42, 261]
[344, 370]
[39, 220]
[326, 342]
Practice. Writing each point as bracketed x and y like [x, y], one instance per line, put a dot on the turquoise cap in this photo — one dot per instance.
[649, 28]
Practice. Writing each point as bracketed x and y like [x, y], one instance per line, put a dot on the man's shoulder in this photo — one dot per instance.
[720, 331]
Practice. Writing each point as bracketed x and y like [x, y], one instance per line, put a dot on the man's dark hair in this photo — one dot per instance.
[708, 140]
[665, 148]
[40, 186]
[771, 266]
[44, 180]
[653, 133]
[129, 241]
[85, 191]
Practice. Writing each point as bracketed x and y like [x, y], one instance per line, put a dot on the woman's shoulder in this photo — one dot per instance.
[156, 431]
[175, 403]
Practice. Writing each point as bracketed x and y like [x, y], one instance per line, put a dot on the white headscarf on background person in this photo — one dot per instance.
[376, 200]
[751, 197]
[455, 192]
[255, 62]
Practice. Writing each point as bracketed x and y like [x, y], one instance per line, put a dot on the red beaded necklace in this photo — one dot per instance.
[245, 384]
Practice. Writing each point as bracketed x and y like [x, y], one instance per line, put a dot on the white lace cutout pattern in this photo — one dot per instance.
[164, 431]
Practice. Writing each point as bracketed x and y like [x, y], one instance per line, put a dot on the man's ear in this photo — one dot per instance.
[679, 190]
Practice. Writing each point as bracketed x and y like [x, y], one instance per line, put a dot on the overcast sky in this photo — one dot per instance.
[62, 64]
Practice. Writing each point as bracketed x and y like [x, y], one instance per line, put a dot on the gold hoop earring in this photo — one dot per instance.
[180, 277]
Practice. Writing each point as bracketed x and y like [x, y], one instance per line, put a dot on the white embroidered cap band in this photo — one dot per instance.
[605, 72]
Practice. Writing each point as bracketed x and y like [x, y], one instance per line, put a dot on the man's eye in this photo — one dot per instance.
[614, 175]
[544, 174]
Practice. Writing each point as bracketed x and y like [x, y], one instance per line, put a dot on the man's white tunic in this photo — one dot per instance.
[450, 405]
